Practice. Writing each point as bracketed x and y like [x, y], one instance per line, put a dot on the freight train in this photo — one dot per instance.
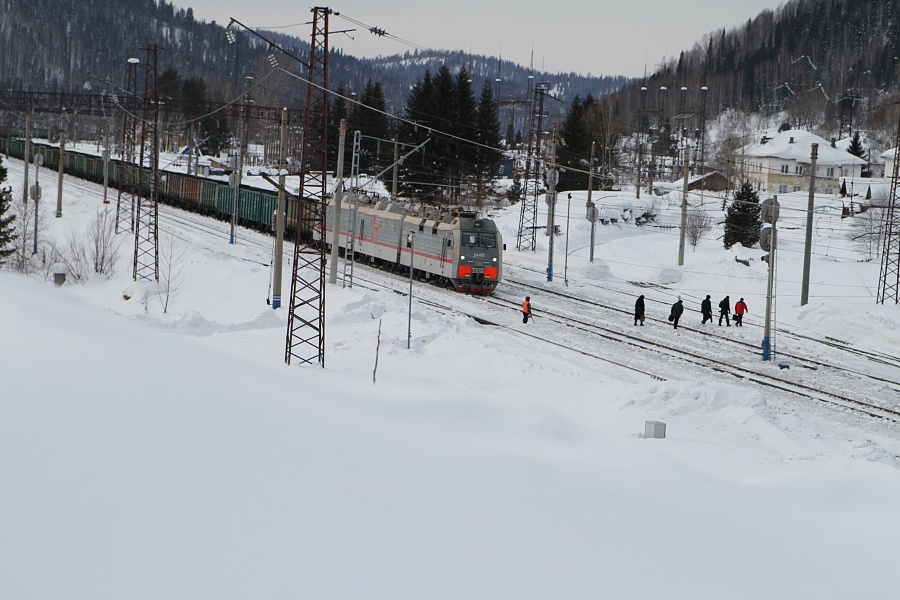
[452, 247]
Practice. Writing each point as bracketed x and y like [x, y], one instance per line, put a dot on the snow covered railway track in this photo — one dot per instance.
[859, 373]
[865, 359]
[836, 391]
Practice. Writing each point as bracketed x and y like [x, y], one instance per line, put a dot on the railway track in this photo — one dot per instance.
[825, 381]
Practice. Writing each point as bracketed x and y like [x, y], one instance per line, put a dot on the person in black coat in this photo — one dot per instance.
[677, 310]
[725, 311]
[706, 310]
[639, 310]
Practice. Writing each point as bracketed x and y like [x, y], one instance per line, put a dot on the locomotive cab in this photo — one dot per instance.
[479, 256]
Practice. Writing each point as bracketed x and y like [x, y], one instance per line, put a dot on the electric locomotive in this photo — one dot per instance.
[456, 247]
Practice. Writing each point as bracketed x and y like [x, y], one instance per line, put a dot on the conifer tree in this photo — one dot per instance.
[336, 112]
[369, 118]
[487, 133]
[487, 136]
[574, 148]
[856, 147]
[742, 218]
[7, 223]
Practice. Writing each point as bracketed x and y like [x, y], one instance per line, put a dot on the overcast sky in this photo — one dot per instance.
[600, 37]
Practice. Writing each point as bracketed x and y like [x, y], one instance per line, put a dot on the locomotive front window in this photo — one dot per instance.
[478, 238]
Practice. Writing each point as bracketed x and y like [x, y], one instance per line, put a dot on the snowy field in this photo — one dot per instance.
[151, 455]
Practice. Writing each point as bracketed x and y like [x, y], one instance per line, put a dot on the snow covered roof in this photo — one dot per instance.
[889, 154]
[794, 144]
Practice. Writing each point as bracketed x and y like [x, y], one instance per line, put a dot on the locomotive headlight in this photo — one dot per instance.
[462, 257]
[494, 259]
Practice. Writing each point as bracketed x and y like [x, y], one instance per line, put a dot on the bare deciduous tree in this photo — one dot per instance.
[171, 270]
[24, 210]
[104, 246]
[96, 252]
[868, 231]
[697, 224]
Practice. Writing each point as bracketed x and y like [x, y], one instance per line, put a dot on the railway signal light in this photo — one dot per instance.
[768, 211]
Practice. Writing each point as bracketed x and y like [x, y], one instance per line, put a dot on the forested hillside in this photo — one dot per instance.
[58, 45]
[821, 61]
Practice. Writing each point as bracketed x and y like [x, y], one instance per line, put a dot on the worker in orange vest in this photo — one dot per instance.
[526, 309]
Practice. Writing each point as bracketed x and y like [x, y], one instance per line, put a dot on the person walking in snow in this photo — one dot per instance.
[526, 309]
[739, 309]
[677, 310]
[639, 310]
[706, 310]
[725, 311]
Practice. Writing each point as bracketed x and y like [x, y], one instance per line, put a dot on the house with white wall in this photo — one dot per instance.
[889, 157]
[781, 163]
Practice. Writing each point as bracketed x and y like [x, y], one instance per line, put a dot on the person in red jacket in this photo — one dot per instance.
[739, 309]
[526, 309]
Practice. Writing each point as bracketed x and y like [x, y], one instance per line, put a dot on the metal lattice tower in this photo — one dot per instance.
[889, 282]
[128, 178]
[146, 226]
[527, 238]
[306, 320]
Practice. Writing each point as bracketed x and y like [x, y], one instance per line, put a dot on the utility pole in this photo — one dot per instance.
[640, 159]
[409, 242]
[807, 252]
[62, 163]
[26, 161]
[552, 180]
[279, 213]
[36, 195]
[190, 149]
[396, 166]
[591, 210]
[338, 197]
[768, 241]
[684, 205]
[236, 178]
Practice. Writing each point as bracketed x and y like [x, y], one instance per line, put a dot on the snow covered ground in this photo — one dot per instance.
[151, 455]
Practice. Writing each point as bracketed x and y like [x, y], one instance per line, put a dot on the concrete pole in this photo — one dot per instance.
[807, 251]
[279, 213]
[552, 178]
[36, 195]
[190, 145]
[409, 318]
[640, 155]
[26, 157]
[396, 168]
[238, 167]
[590, 202]
[684, 205]
[767, 334]
[62, 163]
[338, 197]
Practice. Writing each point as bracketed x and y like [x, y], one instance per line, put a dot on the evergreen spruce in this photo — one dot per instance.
[337, 111]
[7, 223]
[856, 147]
[487, 135]
[574, 148]
[742, 218]
[369, 118]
